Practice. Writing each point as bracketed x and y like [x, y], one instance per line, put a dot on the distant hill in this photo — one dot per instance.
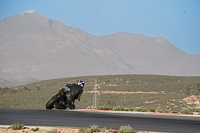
[33, 46]
[17, 82]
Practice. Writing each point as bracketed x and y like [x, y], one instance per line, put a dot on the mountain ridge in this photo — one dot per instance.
[33, 46]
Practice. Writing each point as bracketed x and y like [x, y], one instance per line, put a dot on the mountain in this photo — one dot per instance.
[17, 82]
[33, 46]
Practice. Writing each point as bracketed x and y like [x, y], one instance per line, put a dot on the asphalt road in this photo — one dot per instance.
[65, 118]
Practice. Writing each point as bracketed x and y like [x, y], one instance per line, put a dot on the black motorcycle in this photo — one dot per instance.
[59, 101]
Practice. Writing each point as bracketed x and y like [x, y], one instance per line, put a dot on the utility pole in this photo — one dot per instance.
[96, 87]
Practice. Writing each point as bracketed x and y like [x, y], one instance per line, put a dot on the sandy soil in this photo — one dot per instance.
[193, 100]
[45, 130]
[41, 130]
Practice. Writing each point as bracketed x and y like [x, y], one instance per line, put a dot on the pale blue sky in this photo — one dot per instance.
[176, 20]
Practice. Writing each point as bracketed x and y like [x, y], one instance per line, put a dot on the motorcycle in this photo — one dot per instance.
[59, 101]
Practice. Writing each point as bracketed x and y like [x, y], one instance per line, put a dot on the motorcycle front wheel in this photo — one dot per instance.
[51, 102]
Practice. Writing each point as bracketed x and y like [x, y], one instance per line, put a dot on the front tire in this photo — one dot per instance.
[51, 102]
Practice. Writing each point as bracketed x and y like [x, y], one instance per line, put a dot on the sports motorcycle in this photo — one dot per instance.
[58, 101]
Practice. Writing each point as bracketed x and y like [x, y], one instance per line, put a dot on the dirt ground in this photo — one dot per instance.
[41, 130]
[51, 130]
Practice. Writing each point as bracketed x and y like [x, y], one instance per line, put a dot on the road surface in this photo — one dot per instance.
[111, 120]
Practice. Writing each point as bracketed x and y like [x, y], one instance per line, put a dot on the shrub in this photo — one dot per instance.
[191, 113]
[84, 130]
[104, 108]
[103, 129]
[118, 108]
[152, 110]
[186, 111]
[126, 129]
[54, 131]
[174, 111]
[35, 129]
[126, 109]
[26, 88]
[138, 109]
[94, 128]
[38, 88]
[144, 110]
[17, 126]
[110, 130]
[131, 109]
[141, 110]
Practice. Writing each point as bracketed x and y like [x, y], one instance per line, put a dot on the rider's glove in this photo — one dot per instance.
[68, 85]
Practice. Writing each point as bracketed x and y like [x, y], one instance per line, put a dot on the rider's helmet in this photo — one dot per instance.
[80, 82]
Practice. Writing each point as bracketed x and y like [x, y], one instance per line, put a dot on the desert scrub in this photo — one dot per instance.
[94, 128]
[144, 110]
[84, 130]
[17, 126]
[141, 110]
[103, 129]
[174, 111]
[54, 131]
[131, 109]
[35, 129]
[186, 111]
[104, 108]
[126, 109]
[138, 109]
[126, 129]
[152, 110]
[118, 108]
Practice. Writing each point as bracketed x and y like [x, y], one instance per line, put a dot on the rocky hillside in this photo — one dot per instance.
[36, 47]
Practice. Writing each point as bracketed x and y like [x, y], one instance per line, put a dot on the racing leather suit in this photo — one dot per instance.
[74, 93]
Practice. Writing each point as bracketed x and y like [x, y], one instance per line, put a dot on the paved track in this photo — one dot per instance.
[81, 118]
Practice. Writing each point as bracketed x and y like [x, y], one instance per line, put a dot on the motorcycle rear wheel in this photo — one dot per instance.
[51, 102]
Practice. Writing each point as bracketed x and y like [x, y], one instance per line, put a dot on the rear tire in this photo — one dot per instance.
[51, 102]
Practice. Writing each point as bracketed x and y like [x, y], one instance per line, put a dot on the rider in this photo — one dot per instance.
[75, 92]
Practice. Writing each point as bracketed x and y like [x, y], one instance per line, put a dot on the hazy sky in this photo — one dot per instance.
[176, 20]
